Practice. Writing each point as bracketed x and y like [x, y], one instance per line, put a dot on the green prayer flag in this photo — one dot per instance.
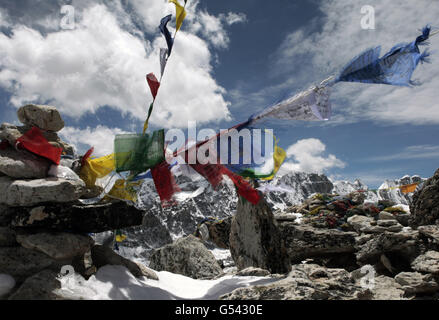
[139, 152]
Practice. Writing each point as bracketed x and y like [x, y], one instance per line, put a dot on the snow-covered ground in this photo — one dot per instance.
[117, 283]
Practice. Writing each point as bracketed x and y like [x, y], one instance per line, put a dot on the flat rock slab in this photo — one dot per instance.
[43, 117]
[31, 192]
[11, 133]
[22, 164]
[304, 241]
[428, 262]
[415, 282]
[22, 263]
[187, 256]
[77, 218]
[58, 246]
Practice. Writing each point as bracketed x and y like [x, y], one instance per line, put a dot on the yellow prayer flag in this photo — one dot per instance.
[279, 157]
[180, 13]
[409, 188]
[124, 190]
[96, 169]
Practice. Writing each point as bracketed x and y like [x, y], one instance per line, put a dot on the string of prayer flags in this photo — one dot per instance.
[34, 141]
[394, 68]
[153, 83]
[139, 152]
[120, 237]
[180, 13]
[164, 29]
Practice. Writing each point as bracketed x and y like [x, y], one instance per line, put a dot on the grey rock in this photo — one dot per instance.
[7, 237]
[415, 282]
[187, 256]
[58, 246]
[425, 205]
[304, 241]
[103, 256]
[386, 288]
[219, 232]
[31, 192]
[255, 240]
[76, 217]
[360, 222]
[22, 263]
[403, 219]
[43, 117]
[428, 262]
[22, 164]
[387, 223]
[431, 232]
[383, 215]
[253, 272]
[41, 286]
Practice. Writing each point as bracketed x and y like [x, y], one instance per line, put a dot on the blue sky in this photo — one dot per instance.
[230, 60]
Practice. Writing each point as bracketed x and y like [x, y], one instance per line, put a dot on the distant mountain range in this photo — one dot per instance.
[198, 200]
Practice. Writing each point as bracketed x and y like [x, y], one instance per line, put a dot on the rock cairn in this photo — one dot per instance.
[43, 224]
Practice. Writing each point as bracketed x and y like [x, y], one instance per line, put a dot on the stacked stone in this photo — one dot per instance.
[43, 225]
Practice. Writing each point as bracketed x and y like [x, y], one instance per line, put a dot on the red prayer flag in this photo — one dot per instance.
[87, 155]
[34, 141]
[153, 83]
[165, 183]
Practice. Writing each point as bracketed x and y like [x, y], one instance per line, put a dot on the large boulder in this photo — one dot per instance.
[31, 192]
[187, 256]
[103, 256]
[417, 283]
[58, 246]
[425, 204]
[255, 238]
[41, 286]
[76, 217]
[428, 263]
[304, 282]
[22, 263]
[304, 241]
[22, 164]
[44, 117]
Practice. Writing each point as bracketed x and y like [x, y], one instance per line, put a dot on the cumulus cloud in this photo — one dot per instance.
[308, 156]
[329, 43]
[99, 63]
[101, 138]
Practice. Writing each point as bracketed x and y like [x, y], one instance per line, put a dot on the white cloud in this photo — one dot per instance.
[99, 63]
[4, 19]
[328, 44]
[308, 156]
[410, 153]
[101, 138]
[232, 18]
